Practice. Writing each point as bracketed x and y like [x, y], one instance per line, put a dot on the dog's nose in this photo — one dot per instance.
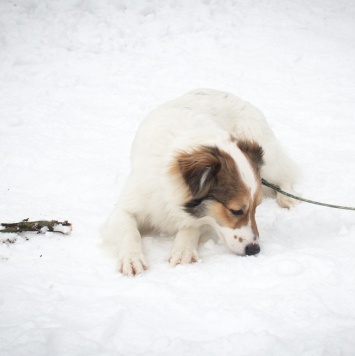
[252, 249]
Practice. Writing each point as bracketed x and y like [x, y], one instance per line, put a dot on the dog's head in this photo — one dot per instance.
[224, 184]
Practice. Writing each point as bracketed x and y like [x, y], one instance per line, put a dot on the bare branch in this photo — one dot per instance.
[41, 226]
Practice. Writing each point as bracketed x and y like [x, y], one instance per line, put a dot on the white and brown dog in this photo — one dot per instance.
[197, 161]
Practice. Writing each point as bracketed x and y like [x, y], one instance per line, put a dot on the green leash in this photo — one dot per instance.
[279, 190]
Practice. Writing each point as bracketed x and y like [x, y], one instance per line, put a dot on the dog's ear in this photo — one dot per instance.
[199, 169]
[253, 151]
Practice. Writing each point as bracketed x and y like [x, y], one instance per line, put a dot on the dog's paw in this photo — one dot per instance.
[286, 202]
[132, 265]
[183, 257]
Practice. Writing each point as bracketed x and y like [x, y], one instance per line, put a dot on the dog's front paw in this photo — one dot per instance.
[183, 256]
[131, 265]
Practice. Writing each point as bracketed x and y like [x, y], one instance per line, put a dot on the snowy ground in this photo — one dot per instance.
[76, 78]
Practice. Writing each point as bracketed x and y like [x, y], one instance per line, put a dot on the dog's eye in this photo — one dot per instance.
[236, 212]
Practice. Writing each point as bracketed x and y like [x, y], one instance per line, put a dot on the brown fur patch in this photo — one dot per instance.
[216, 186]
[232, 138]
[231, 193]
[198, 169]
[229, 189]
[253, 152]
[225, 218]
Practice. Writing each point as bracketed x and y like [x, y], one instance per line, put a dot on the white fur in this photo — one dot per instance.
[245, 233]
[152, 198]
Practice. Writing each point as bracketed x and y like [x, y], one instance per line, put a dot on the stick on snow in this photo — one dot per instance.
[41, 226]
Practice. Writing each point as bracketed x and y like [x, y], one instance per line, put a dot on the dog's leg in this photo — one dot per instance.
[185, 247]
[279, 169]
[286, 185]
[122, 236]
[283, 200]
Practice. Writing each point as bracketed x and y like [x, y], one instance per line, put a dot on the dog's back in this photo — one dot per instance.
[199, 115]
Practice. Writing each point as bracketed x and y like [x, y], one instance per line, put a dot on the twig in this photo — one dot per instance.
[41, 226]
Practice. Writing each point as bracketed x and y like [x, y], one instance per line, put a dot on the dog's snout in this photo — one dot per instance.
[252, 249]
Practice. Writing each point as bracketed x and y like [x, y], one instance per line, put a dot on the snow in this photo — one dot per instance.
[76, 79]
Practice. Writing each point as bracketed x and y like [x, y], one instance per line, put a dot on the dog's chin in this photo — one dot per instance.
[241, 254]
[237, 252]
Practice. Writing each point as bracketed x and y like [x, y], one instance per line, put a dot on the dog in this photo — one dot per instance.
[197, 161]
